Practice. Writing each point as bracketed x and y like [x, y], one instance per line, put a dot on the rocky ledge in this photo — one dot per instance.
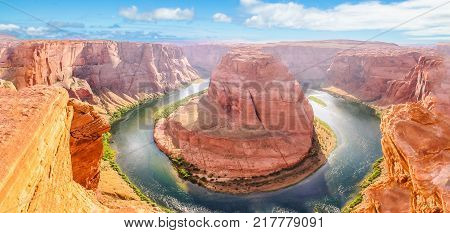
[50, 156]
[253, 122]
[411, 85]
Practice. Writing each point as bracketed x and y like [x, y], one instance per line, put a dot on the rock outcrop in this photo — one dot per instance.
[35, 161]
[52, 167]
[86, 146]
[416, 152]
[254, 120]
[415, 125]
[104, 73]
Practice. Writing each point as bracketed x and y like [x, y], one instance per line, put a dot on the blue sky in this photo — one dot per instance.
[421, 21]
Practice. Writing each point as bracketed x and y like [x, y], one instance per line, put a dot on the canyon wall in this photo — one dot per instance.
[35, 165]
[205, 57]
[411, 85]
[50, 156]
[368, 73]
[104, 73]
[308, 61]
[86, 146]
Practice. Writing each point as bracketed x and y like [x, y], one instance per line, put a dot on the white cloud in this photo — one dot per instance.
[249, 2]
[36, 31]
[221, 17]
[372, 15]
[9, 27]
[157, 14]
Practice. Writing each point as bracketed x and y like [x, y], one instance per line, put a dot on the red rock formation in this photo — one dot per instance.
[35, 165]
[205, 57]
[86, 146]
[415, 138]
[254, 120]
[309, 61]
[415, 146]
[106, 73]
[368, 73]
[38, 132]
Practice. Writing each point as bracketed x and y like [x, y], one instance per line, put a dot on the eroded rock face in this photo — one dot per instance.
[104, 73]
[35, 161]
[254, 120]
[48, 147]
[86, 146]
[369, 73]
[415, 141]
[415, 147]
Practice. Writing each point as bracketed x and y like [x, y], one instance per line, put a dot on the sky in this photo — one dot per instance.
[397, 21]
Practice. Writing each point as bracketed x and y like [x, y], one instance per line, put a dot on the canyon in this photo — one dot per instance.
[107, 74]
[412, 89]
[75, 85]
[248, 125]
[410, 86]
[308, 61]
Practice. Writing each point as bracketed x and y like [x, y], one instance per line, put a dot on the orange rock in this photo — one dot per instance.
[90, 70]
[368, 73]
[253, 121]
[415, 148]
[86, 145]
[35, 161]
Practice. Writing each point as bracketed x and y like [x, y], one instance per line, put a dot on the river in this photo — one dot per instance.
[326, 190]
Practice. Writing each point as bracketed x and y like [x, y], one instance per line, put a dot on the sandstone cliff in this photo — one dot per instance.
[86, 146]
[104, 73]
[35, 162]
[417, 158]
[414, 127]
[249, 124]
[368, 73]
[50, 150]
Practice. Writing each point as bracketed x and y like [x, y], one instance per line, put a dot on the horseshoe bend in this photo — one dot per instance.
[254, 126]
[77, 132]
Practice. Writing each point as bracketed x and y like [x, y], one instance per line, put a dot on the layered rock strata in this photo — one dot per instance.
[86, 146]
[413, 88]
[104, 73]
[369, 73]
[50, 150]
[416, 146]
[35, 161]
[249, 124]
